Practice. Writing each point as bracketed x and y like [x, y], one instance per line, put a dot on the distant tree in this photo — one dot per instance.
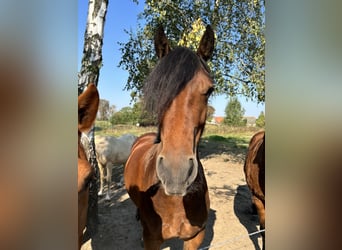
[260, 121]
[234, 113]
[136, 112]
[210, 113]
[112, 110]
[103, 111]
[142, 117]
[124, 116]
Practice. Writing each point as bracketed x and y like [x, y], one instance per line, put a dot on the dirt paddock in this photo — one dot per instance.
[230, 221]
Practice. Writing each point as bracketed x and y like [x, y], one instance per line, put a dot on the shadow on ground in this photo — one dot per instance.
[247, 216]
[215, 145]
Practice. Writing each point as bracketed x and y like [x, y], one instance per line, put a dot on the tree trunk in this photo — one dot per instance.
[89, 73]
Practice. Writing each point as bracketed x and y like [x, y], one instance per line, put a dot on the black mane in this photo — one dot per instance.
[168, 78]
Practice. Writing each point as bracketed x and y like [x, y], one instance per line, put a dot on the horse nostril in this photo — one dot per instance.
[160, 159]
[191, 161]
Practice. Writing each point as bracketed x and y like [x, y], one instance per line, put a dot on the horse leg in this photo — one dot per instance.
[261, 212]
[195, 242]
[101, 169]
[109, 167]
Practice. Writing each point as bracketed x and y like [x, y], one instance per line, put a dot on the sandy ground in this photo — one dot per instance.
[231, 217]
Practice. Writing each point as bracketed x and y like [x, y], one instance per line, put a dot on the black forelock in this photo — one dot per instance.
[168, 78]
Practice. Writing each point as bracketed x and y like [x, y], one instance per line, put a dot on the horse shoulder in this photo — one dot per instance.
[139, 167]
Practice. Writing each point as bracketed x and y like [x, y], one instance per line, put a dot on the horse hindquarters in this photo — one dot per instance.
[254, 169]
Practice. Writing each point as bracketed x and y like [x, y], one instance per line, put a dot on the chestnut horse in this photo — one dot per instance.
[88, 103]
[163, 174]
[254, 169]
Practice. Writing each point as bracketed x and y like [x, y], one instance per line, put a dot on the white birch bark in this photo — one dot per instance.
[93, 40]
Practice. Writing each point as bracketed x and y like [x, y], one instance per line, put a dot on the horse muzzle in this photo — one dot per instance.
[176, 175]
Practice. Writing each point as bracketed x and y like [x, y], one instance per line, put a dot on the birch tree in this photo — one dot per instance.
[89, 73]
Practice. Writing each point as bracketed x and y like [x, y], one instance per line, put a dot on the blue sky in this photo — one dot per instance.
[123, 15]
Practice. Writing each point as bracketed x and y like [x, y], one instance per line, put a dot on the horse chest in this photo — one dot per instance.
[174, 222]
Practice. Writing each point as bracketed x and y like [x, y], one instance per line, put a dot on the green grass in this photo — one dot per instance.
[224, 130]
[216, 139]
[229, 140]
[106, 128]
[236, 144]
[213, 133]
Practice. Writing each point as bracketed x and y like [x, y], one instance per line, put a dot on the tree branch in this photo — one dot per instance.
[236, 78]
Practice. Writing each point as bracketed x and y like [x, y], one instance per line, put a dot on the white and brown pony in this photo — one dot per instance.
[110, 152]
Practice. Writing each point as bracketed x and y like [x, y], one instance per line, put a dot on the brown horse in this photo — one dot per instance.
[254, 169]
[163, 174]
[88, 103]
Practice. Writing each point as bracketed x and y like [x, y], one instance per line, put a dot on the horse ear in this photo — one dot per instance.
[88, 103]
[161, 43]
[206, 47]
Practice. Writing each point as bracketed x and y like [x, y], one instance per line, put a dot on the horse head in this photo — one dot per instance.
[183, 85]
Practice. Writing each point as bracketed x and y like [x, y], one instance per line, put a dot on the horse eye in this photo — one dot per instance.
[209, 91]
